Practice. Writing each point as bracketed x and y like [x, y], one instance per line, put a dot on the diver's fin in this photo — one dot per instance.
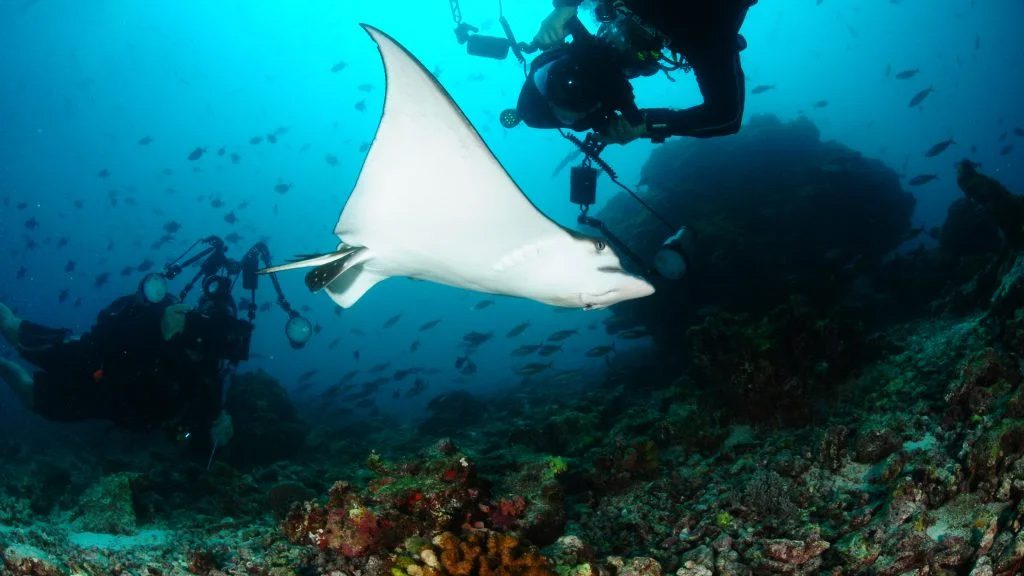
[348, 287]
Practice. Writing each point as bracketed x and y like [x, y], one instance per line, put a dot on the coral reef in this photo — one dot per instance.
[436, 493]
[478, 553]
[530, 501]
[776, 368]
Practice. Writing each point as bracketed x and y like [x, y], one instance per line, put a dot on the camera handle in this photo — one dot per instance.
[583, 193]
[250, 279]
[213, 260]
[297, 329]
[591, 148]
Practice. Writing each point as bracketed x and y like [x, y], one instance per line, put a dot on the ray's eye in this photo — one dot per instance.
[599, 245]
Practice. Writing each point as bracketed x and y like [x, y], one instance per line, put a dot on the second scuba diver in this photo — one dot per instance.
[144, 365]
[150, 361]
[585, 85]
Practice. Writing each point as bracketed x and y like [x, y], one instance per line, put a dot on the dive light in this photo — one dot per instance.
[509, 118]
[298, 330]
[672, 260]
[154, 287]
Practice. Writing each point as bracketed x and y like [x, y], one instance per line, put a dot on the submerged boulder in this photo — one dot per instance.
[266, 426]
[109, 505]
[451, 413]
[24, 560]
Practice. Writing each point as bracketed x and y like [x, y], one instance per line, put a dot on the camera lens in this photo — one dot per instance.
[298, 330]
[605, 12]
[216, 286]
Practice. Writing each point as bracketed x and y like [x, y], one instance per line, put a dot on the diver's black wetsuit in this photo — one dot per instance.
[124, 371]
[706, 33]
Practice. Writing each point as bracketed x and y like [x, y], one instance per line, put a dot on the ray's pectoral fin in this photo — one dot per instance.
[347, 288]
[341, 272]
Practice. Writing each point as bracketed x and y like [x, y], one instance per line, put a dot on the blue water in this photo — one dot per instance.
[83, 82]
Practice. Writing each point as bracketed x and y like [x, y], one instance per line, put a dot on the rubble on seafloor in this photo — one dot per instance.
[924, 467]
[800, 439]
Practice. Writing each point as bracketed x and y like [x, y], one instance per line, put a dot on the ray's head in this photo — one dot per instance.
[595, 278]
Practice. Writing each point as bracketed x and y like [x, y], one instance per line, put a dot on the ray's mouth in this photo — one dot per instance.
[597, 301]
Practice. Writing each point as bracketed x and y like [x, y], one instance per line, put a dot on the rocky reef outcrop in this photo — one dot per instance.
[777, 304]
[777, 212]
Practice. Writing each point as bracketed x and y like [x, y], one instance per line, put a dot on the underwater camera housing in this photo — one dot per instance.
[217, 323]
[218, 316]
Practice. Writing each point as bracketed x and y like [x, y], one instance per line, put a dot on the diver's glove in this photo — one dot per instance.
[222, 430]
[173, 321]
[553, 29]
[621, 131]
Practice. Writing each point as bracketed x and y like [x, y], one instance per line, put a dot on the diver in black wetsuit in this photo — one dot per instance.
[585, 85]
[142, 366]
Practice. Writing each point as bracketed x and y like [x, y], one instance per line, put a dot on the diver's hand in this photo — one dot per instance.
[173, 321]
[553, 29]
[9, 326]
[621, 131]
[222, 430]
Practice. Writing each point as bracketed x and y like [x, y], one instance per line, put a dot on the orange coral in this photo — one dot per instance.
[490, 554]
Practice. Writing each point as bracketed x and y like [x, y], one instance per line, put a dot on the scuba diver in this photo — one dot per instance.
[151, 362]
[144, 365]
[585, 85]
